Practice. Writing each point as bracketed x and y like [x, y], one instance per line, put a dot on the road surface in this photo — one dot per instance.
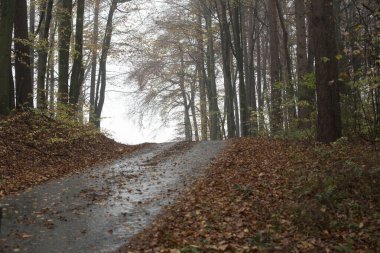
[99, 209]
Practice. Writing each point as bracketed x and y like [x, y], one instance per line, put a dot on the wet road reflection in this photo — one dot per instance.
[98, 211]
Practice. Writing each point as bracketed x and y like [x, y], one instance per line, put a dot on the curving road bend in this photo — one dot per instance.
[99, 210]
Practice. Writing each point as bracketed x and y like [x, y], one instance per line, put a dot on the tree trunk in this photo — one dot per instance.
[235, 12]
[226, 54]
[275, 112]
[186, 103]
[248, 33]
[77, 71]
[64, 10]
[12, 97]
[291, 108]
[7, 10]
[46, 12]
[211, 87]
[326, 71]
[94, 57]
[260, 95]
[193, 111]
[305, 94]
[24, 84]
[101, 85]
[310, 39]
[51, 65]
[32, 20]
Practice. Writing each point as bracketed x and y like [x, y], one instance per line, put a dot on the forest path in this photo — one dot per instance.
[99, 210]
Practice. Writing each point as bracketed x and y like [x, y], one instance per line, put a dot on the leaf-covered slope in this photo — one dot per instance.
[264, 195]
[35, 148]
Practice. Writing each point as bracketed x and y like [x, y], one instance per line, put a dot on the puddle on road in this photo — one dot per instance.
[99, 211]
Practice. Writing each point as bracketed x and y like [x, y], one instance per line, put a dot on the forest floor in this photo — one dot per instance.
[260, 195]
[35, 148]
[265, 195]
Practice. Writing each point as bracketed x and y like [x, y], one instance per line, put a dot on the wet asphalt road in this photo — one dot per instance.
[98, 210]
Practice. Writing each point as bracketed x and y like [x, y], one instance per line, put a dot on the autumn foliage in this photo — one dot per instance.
[35, 148]
[276, 196]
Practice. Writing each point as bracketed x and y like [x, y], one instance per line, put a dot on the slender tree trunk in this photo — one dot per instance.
[186, 103]
[101, 85]
[248, 33]
[77, 71]
[12, 97]
[193, 111]
[236, 28]
[46, 12]
[275, 112]
[51, 65]
[32, 20]
[226, 54]
[305, 94]
[211, 87]
[94, 57]
[202, 78]
[24, 84]
[7, 10]
[310, 39]
[64, 10]
[291, 108]
[326, 71]
[266, 97]
[260, 96]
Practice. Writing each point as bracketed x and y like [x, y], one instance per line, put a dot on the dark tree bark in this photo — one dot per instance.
[186, 103]
[201, 71]
[193, 110]
[32, 20]
[24, 84]
[94, 57]
[248, 25]
[7, 11]
[305, 94]
[291, 111]
[77, 71]
[310, 39]
[64, 10]
[12, 97]
[46, 13]
[326, 71]
[51, 64]
[275, 69]
[260, 94]
[211, 82]
[235, 13]
[101, 84]
[226, 53]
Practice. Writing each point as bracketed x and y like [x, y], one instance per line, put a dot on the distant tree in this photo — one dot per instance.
[326, 71]
[7, 11]
[102, 82]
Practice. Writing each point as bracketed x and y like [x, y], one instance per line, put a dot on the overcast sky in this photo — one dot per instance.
[117, 119]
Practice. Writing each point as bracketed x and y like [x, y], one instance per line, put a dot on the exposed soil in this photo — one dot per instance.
[35, 148]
